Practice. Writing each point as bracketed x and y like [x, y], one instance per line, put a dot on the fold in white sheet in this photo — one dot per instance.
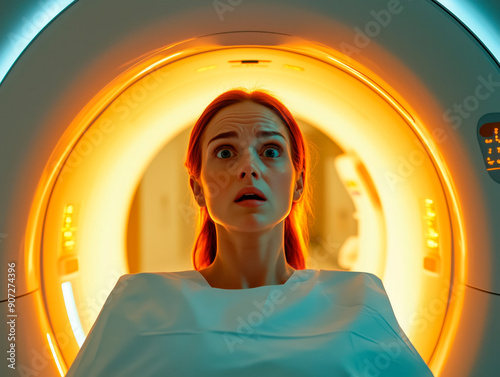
[319, 323]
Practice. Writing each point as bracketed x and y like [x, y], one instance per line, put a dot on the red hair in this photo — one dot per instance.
[296, 223]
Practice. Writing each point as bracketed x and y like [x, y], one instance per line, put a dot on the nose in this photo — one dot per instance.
[248, 166]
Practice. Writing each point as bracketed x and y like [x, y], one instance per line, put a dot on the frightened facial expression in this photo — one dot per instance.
[246, 144]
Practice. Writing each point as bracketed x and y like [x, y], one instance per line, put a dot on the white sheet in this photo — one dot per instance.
[319, 323]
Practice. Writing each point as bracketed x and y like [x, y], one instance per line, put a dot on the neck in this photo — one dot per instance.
[247, 260]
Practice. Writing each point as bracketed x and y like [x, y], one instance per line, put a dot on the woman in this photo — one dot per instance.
[249, 307]
[255, 145]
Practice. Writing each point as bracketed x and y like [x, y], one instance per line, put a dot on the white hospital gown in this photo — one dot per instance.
[319, 323]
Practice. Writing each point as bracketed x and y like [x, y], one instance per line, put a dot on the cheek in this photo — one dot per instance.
[215, 183]
[284, 185]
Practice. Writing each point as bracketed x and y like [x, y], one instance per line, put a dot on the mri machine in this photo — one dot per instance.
[408, 90]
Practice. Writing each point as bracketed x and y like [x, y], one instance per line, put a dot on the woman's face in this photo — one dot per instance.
[246, 157]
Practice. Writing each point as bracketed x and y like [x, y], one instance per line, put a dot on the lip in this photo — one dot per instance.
[251, 203]
[250, 190]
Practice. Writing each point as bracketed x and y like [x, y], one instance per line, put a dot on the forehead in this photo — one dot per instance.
[244, 118]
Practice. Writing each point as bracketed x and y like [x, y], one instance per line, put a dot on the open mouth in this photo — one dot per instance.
[249, 197]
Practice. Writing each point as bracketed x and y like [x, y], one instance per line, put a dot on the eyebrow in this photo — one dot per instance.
[233, 135]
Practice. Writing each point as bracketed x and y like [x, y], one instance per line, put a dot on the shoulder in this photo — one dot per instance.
[355, 288]
[145, 285]
[147, 278]
[133, 282]
[360, 289]
[144, 295]
[356, 279]
[363, 289]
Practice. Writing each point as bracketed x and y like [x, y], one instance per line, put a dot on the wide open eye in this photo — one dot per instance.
[274, 147]
[225, 148]
[225, 151]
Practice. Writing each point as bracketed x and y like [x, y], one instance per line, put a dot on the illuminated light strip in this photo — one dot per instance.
[375, 87]
[74, 318]
[56, 359]
[206, 68]
[455, 307]
[156, 64]
[293, 67]
[493, 169]
[68, 229]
